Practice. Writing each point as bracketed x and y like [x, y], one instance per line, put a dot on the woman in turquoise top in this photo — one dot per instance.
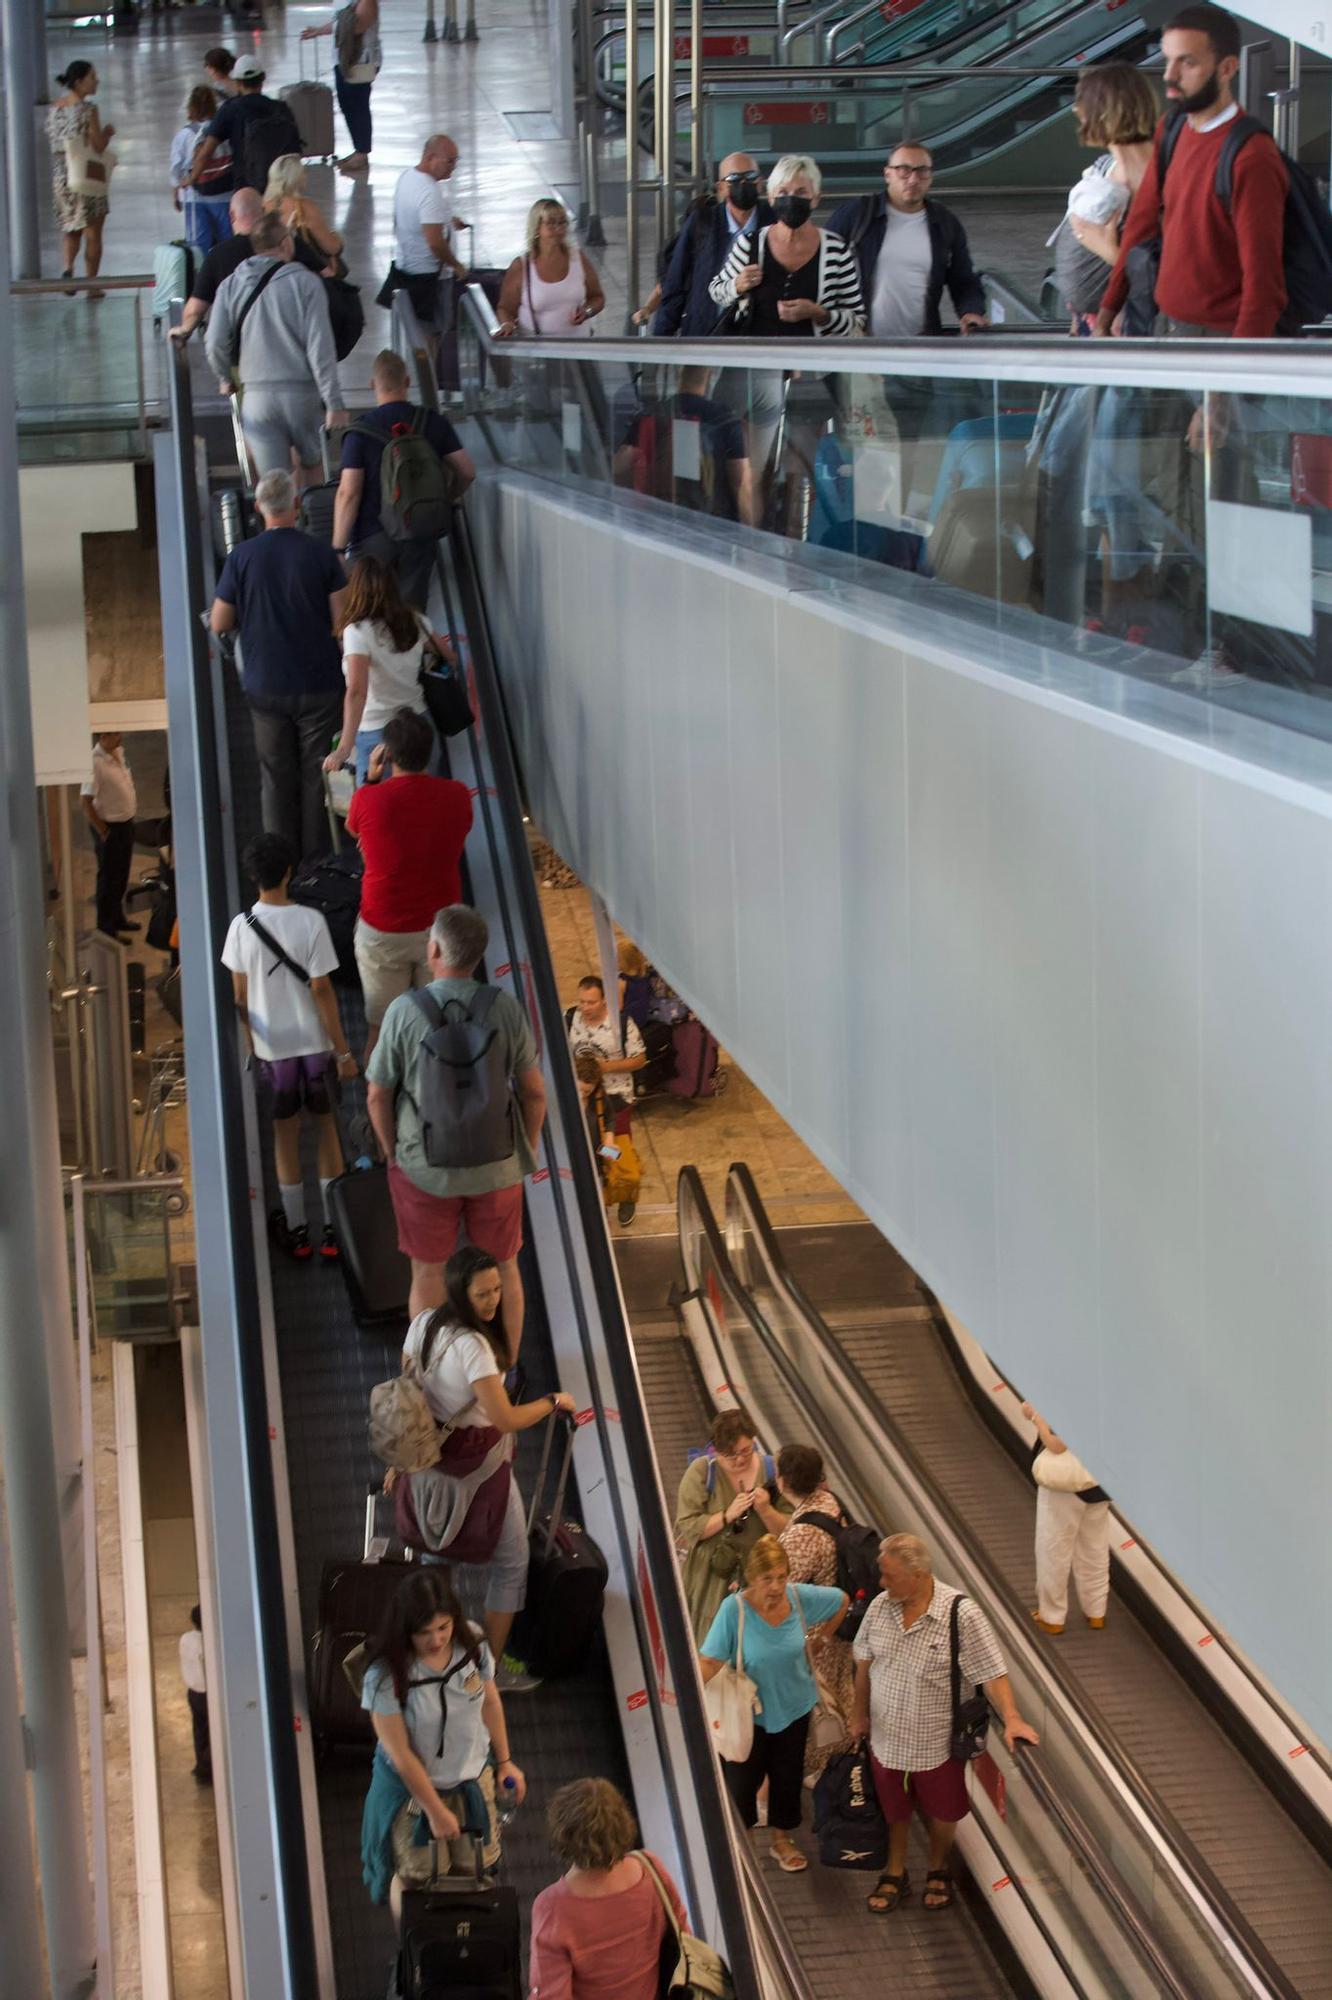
[779, 1618]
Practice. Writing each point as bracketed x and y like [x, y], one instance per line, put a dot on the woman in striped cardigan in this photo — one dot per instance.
[796, 278]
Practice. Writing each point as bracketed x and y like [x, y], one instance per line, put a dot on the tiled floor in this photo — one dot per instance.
[671, 1132]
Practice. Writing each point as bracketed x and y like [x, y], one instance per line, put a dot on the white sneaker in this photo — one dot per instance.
[1209, 671]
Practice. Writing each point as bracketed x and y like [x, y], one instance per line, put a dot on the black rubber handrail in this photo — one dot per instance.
[225, 1078]
[588, 1218]
[1228, 1921]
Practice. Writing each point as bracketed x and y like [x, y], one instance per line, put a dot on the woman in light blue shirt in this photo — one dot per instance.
[442, 1741]
[769, 1624]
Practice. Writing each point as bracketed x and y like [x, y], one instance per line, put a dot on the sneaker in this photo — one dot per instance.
[626, 1212]
[294, 1242]
[512, 1677]
[328, 1244]
[1210, 671]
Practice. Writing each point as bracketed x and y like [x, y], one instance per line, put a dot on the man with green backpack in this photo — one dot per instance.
[404, 470]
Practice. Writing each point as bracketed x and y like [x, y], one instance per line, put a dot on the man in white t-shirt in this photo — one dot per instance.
[280, 955]
[109, 805]
[618, 1052]
[196, 1693]
[423, 226]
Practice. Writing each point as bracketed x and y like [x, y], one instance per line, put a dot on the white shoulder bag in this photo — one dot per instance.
[732, 1701]
[1062, 1472]
[86, 170]
[699, 1973]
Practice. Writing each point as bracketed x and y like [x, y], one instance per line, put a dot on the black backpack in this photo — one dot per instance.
[848, 1818]
[1306, 250]
[464, 1102]
[264, 140]
[857, 1551]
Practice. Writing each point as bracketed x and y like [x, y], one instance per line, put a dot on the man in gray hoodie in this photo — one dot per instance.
[269, 335]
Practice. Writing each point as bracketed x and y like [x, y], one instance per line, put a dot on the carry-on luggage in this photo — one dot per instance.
[460, 1939]
[566, 1577]
[316, 511]
[378, 1276]
[332, 885]
[173, 275]
[698, 1072]
[311, 105]
[491, 279]
[848, 1819]
[353, 1598]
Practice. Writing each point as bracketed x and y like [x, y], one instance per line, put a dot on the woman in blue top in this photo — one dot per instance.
[442, 1741]
[779, 1618]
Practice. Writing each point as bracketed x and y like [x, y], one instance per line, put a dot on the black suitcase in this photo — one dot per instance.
[332, 885]
[491, 280]
[566, 1578]
[353, 1597]
[460, 1940]
[379, 1277]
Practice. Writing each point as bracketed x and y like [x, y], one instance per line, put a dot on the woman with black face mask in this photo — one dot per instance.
[792, 278]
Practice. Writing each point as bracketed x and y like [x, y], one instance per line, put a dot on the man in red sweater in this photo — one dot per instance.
[1221, 274]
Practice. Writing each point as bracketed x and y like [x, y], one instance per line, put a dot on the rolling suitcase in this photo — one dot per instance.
[697, 1071]
[316, 509]
[379, 1277]
[353, 1597]
[566, 1578]
[173, 275]
[311, 105]
[460, 1939]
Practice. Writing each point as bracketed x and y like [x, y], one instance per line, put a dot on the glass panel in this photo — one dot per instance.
[80, 373]
[130, 1254]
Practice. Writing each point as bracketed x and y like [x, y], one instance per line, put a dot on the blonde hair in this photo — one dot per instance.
[589, 1824]
[789, 168]
[286, 177]
[534, 215]
[630, 959]
[765, 1559]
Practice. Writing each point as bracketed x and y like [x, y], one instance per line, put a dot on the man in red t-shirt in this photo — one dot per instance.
[1221, 273]
[411, 829]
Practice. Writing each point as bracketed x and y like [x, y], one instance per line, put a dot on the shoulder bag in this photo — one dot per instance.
[86, 170]
[971, 1718]
[690, 1968]
[447, 701]
[266, 938]
[1061, 1471]
[827, 1725]
[735, 318]
[732, 1700]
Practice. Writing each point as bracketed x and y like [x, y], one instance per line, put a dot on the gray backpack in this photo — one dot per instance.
[463, 1102]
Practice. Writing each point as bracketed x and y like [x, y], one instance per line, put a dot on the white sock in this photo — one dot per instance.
[293, 1205]
[324, 1187]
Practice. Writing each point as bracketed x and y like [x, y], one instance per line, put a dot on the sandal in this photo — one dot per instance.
[941, 1893]
[787, 1855]
[887, 1893]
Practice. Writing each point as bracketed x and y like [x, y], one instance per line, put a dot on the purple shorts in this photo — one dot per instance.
[298, 1080]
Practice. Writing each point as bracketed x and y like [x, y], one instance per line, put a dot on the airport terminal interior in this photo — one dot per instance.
[886, 807]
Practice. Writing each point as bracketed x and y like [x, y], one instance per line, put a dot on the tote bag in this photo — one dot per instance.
[732, 1700]
[86, 170]
[690, 1968]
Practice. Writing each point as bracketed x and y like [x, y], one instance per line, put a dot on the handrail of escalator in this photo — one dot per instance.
[1244, 1946]
[223, 1078]
[589, 1217]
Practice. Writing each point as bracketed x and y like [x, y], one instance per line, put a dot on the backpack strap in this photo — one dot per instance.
[864, 222]
[1242, 129]
[265, 279]
[483, 1003]
[1166, 144]
[426, 1003]
[711, 1481]
[955, 1653]
[817, 1519]
[266, 937]
[438, 1318]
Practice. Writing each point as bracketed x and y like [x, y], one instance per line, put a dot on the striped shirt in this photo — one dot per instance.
[838, 287]
[911, 1700]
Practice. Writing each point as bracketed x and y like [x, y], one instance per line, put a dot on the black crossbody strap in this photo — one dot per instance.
[283, 957]
[955, 1653]
[266, 278]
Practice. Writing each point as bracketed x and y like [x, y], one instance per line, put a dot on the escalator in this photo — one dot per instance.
[305, 1369]
[1253, 1854]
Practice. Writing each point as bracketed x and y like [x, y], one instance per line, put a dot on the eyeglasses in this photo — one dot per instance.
[913, 173]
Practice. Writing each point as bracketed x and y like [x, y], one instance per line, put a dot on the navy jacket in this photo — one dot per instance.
[701, 249]
[952, 264]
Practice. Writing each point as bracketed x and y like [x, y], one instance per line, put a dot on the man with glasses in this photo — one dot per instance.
[704, 244]
[909, 247]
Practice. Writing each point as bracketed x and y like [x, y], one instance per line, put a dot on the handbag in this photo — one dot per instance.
[732, 1700]
[827, 1725]
[86, 170]
[1061, 1471]
[447, 701]
[735, 318]
[971, 1718]
[690, 1968]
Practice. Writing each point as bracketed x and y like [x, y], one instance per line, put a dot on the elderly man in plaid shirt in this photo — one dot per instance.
[904, 1705]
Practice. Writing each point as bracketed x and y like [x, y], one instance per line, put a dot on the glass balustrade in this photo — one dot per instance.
[87, 370]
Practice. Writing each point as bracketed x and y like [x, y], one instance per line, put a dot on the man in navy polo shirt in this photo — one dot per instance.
[282, 592]
[356, 528]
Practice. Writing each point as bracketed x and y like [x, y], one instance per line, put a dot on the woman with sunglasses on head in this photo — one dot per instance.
[800, 281]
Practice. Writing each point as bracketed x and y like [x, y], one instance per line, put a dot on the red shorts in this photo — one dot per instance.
[430, 1225]
[940, 1793]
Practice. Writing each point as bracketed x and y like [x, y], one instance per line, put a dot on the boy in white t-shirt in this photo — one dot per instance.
[280, 955]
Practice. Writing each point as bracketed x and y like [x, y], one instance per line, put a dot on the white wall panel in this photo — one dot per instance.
[1045, 978]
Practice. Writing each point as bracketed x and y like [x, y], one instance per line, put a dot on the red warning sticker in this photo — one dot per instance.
[638, 1700]
[584, 1416]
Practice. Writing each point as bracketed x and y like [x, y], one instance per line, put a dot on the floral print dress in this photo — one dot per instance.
[65, 122]
[813, 1559]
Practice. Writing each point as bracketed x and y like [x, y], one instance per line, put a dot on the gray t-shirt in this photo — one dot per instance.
[448, 1735]
[396, 1061]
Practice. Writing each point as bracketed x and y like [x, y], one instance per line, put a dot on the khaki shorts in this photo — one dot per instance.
[390, 963]
[417, 1865]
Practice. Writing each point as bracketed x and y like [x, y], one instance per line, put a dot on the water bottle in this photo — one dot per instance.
[508, 1801]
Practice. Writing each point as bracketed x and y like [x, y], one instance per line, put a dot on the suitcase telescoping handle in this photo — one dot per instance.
[560, 1420]
[301, 46]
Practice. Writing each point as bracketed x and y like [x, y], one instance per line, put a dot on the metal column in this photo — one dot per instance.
[663, 21]
[18, 1865]
[696, 95]
[631, 152]
[34, 1294]
[24, 50]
